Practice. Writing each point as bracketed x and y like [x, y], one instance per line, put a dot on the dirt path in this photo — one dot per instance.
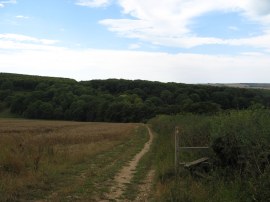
[145, 188]
[126, 173]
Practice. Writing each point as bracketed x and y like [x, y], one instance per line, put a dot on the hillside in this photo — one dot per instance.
[116, 100]
[244, 85]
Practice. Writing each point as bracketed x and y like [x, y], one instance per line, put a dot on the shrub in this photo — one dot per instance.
[241, 141]
[228, 151]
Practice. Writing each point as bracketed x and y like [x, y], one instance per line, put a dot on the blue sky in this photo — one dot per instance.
[189, 41]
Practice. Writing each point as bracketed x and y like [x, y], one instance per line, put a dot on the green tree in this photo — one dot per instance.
[77, 110]
[58, 113]
[166, 96]
[18, 105]
[7, 85]
[32, 110]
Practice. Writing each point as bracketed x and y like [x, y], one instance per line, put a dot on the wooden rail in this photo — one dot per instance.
[178, 149]
[199, 161]
[193, 148]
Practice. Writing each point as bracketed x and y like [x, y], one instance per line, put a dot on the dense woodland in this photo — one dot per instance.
[116, 100]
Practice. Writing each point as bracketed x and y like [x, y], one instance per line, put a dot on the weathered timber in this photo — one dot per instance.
[197, 162]
[193, 147]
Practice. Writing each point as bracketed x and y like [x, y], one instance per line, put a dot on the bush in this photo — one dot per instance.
[261, 186]
[241, 141]
[228, 151]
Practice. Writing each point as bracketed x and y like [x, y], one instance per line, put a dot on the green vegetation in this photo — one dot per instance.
[240, 157]
[65, 159]
[115, 100]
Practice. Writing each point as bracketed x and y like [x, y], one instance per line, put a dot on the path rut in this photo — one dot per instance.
[126, 173]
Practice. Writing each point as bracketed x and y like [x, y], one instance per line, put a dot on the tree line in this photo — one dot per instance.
[117, 100]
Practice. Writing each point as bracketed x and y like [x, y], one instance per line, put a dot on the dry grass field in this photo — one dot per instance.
[62, 161]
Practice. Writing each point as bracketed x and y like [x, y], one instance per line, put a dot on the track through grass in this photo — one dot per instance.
[63, 161]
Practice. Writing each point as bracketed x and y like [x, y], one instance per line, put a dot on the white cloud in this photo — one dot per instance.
[259, 8]
[3, 3]
[20, 43]
[24, 38]
[134, 46]
[22, 17]
[93, 3]
[167, 22]
[22, 46]
[262, 41]
[252, 53]
[28, 57]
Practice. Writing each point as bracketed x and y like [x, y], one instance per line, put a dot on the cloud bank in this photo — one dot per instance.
[167, 22]
[26, 56]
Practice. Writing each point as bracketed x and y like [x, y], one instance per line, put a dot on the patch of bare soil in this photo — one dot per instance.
[145, 188]
[126, 173]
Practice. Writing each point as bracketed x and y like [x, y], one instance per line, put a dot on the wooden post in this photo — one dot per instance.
[176, 139]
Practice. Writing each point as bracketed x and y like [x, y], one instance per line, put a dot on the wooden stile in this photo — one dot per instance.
[179, 149]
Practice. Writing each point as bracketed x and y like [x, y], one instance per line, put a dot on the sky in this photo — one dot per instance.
[184, 41]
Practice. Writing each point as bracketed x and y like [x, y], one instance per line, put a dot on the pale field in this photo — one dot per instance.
[33, 154]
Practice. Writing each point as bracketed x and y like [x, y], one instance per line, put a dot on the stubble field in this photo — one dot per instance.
[63, 161]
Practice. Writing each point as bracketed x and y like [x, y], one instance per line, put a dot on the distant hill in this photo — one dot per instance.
[258, 85]
[243, 85]
[118, 100]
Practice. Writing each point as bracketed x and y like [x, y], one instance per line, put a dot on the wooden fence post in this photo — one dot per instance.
[176, 139]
